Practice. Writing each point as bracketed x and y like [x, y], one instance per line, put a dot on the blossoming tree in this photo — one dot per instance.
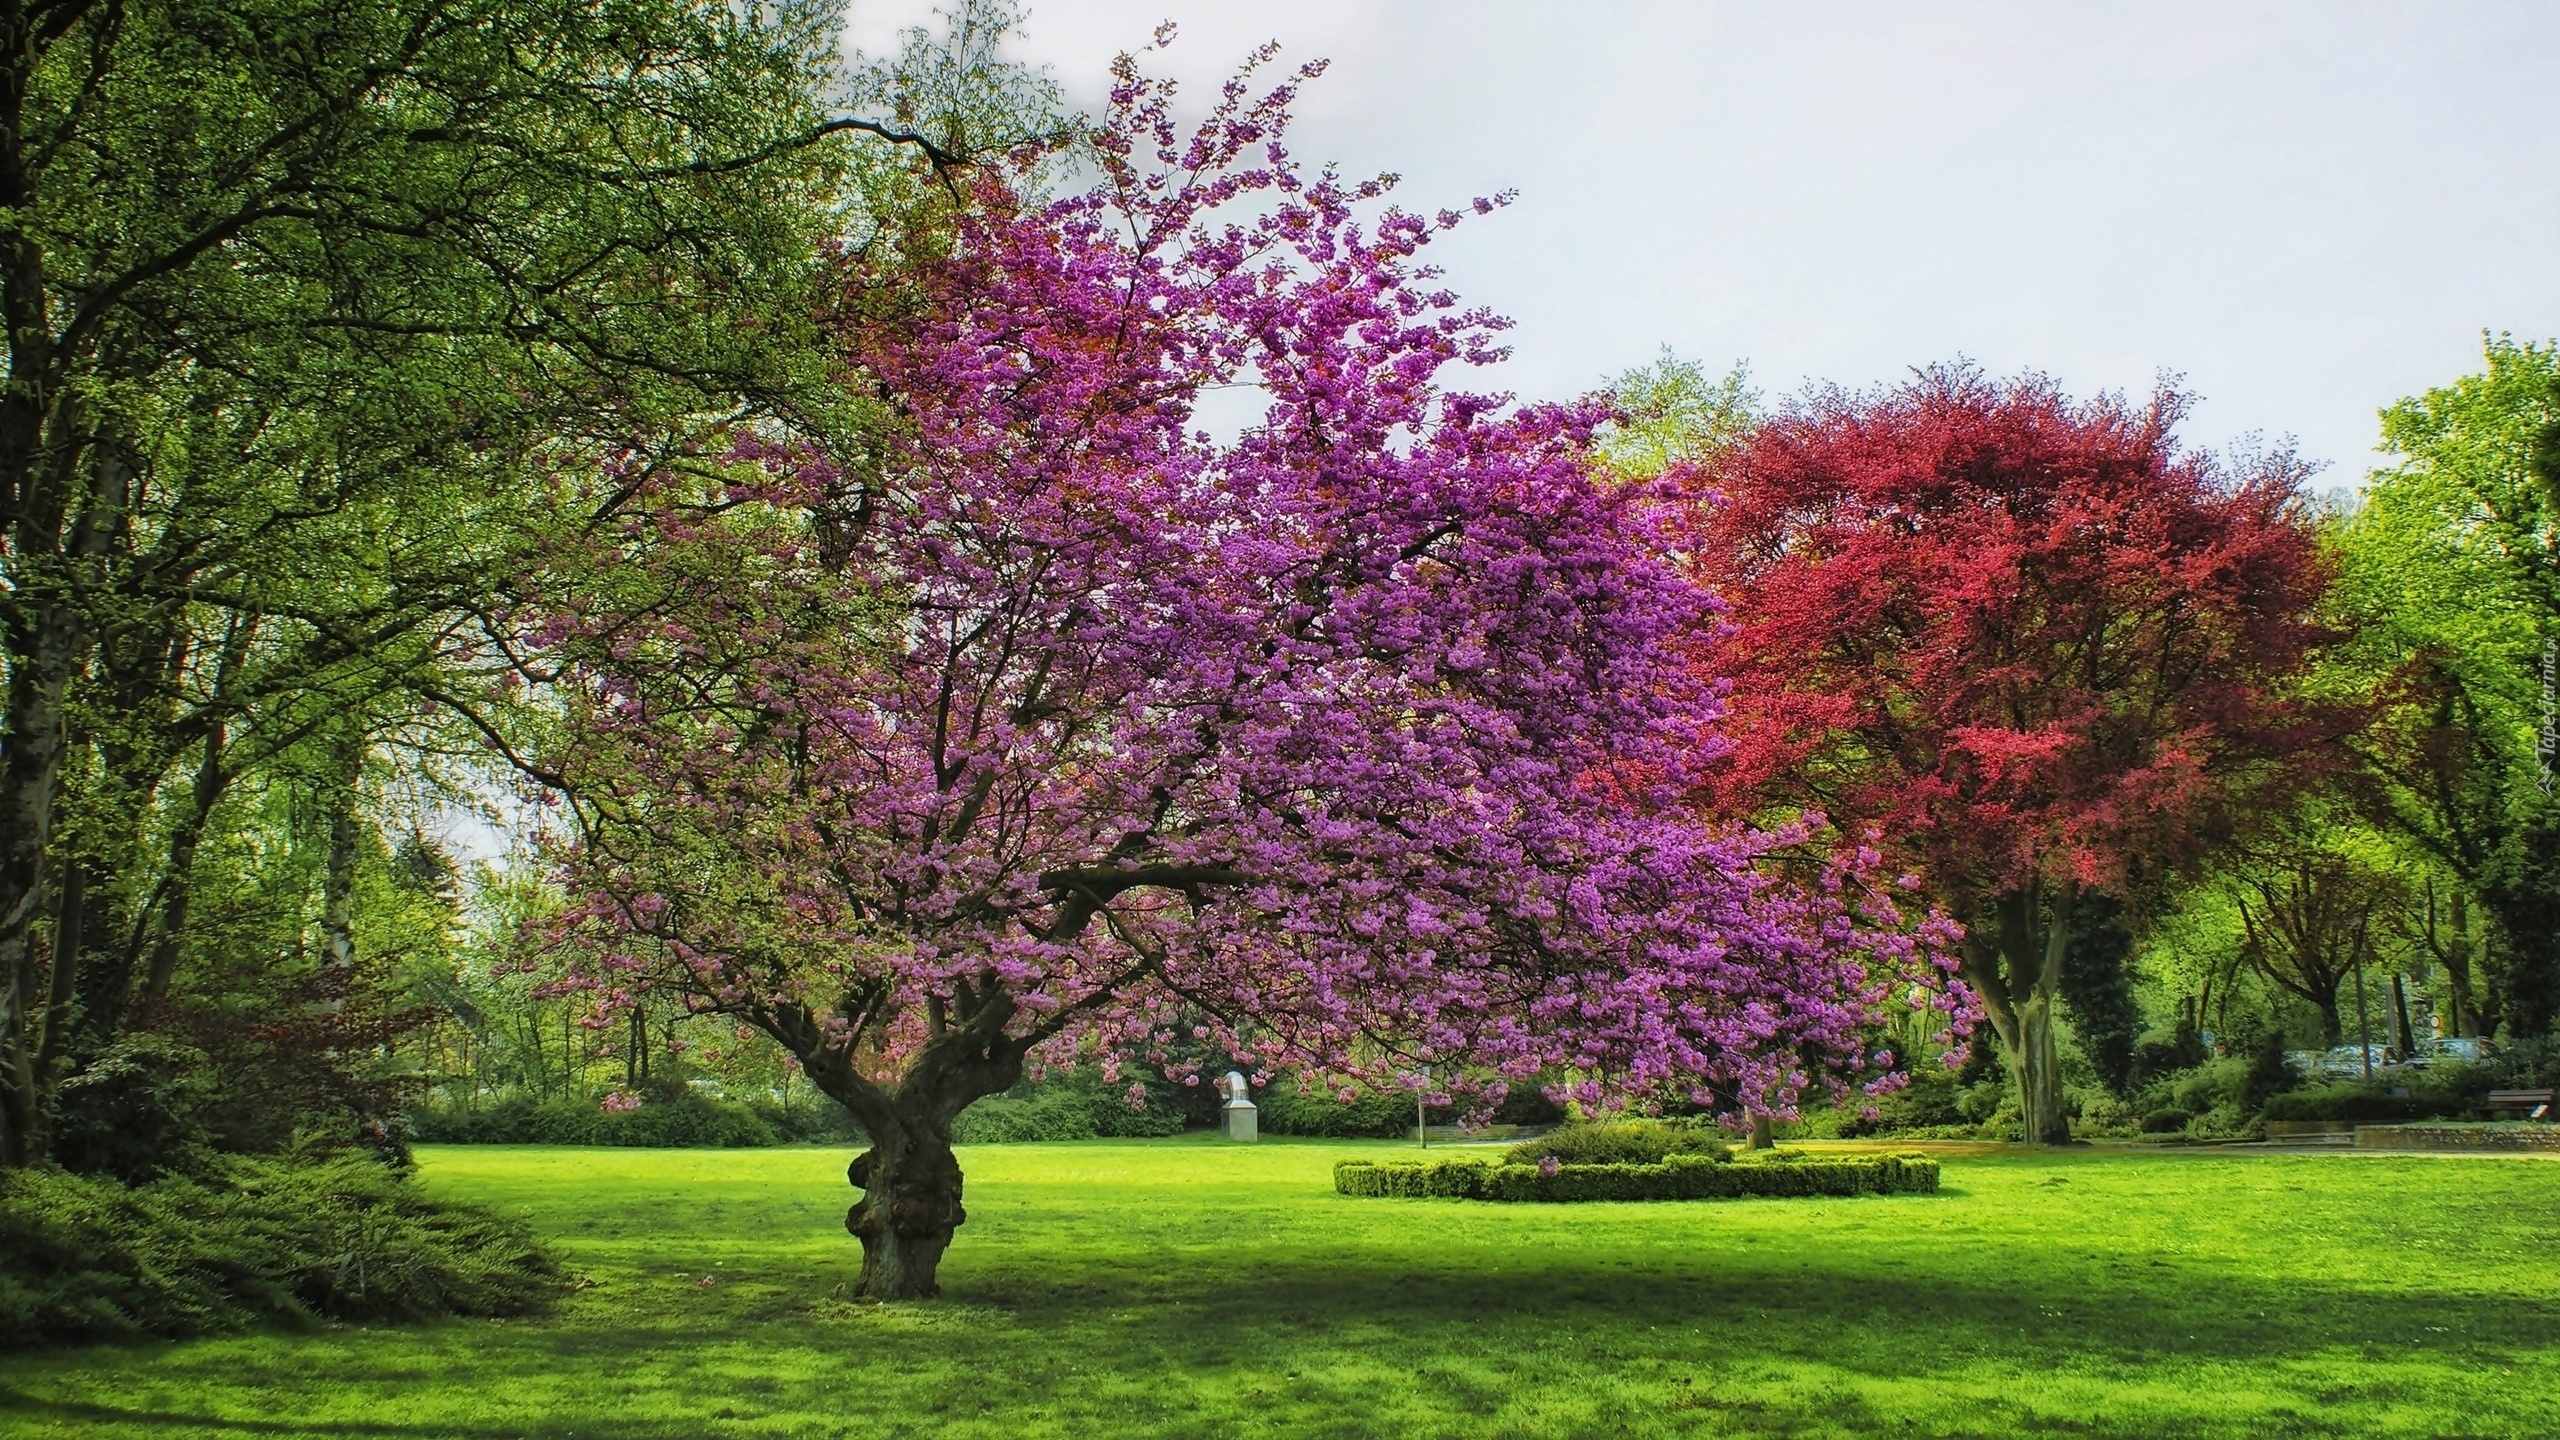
[2033, 639]
[1038, 723]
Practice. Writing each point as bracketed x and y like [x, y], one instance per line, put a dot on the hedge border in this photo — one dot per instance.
[1678, 1177]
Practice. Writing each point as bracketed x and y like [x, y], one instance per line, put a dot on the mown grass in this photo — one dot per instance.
[1185, 1288]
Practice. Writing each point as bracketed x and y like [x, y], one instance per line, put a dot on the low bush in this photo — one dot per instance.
[1078, 1105]
[2442, 1092]
[1692, 1176]
[84, 1258]
[2347, 1101]
[687, 1120]
[1619, 1142]
[1289, 1108]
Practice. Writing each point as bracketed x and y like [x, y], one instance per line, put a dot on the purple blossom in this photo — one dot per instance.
[1375, 733]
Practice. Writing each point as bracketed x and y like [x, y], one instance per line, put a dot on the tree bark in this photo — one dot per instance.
[2405, 1036]
[2038, 1063]
[2456, 956]
[910, 1178]
[909, 1209]
[2013, 960]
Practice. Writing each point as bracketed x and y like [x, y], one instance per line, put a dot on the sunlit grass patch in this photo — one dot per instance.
[1183, 1287]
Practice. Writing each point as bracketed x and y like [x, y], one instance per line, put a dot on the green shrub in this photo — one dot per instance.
[132, 1112]
[2216, 1082]
[2269, 1074]
[2225, 1121]
[1288, 1108]
[2165, 1122]
[1078, 1105]
[2348, 1100]
[2441, 1092]
[1618, 1142]
[1009, 1119]
[1693, 1176]
[687, 1120]
[84, 1258]
[1932, 1098]
[821, 1121]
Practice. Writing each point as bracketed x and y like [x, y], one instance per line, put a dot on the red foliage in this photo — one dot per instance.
[2031, 638]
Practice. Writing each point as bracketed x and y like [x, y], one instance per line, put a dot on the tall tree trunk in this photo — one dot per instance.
[2038, 1063]
[2039, 1058]
[2333, 1026]
[2457, 968]
[2014, 962]
[41, 660]
[213, 778]
[338, 887]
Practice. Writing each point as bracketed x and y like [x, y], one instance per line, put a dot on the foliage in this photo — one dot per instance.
[293, 1238]
[1364, 737]
[2448, 1092]
[135, 1113]
[1074, 1106]
[1676, 1177]
[1669, 413]
[2042, 647]
[2452, 563]
[1295, 1107]
[2098, 988]
[688, 1120]
[1618, 1142]
[2315, 904]
[311, 301]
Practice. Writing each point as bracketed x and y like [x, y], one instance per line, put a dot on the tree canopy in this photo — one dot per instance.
[1355, 745]
[2038, 645]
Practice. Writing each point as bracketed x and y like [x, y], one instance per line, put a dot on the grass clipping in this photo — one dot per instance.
[84, 1259]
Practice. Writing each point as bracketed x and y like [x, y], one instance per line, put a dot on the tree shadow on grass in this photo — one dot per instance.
[1330, 1326]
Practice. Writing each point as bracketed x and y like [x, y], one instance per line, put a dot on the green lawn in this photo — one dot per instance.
[1187, 1288]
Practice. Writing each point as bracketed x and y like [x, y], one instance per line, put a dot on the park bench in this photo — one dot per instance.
[2535, 1104]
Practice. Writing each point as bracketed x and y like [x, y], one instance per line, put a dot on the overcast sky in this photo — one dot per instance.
[2306, 210]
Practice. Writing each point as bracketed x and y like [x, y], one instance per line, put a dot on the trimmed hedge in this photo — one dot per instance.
[1678, 1177]
[86, 1259]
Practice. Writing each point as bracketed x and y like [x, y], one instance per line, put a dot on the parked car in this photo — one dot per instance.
[2464, 1049]
[2348, 1062]
[2305, 1064]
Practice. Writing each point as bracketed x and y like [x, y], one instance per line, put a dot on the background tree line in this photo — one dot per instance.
[326, 321]
[323, 320]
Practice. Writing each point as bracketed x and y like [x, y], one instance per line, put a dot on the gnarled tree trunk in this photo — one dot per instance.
[909, 1208]
[910, 1179]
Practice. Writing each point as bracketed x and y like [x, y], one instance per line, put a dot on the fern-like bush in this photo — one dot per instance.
[294, 1239]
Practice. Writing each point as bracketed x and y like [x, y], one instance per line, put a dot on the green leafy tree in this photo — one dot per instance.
[2451, 565]
[307, 302]
[1672, 412]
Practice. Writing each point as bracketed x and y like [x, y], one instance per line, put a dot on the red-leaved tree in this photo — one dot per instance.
[1036, 723]
[2042, 647]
